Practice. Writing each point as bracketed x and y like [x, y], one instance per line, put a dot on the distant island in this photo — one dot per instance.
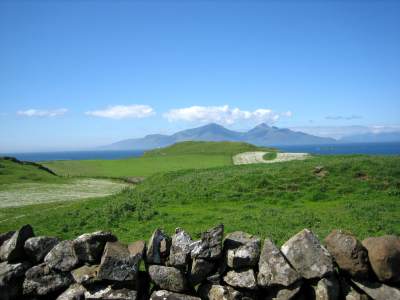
[261, 135]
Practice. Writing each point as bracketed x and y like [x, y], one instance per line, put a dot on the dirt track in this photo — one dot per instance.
[257, 157]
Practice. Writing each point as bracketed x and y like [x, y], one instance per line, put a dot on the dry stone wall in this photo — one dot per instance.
[237, 265]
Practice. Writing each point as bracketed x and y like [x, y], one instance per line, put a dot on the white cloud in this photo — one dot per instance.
[123, 111]
[222, 114]
[338, 132]
[42, 113]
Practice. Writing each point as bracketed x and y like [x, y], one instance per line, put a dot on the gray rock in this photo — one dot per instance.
[11, 278]
[137, 248]
[74, 292]
[168, 278]
[210, 245]
[219, 292]
[284, 293]
[109, 293]
[241, 279]
[242, 250]
[5, 236]
[117, 264]
[12, 250]
[349, 293]
[41, 281]
[306, 254]
[378, 291]
[89, 246]
[273, 267]
[384, 256]
[349, 253]
[86, 274]
[200, 269]
[36, 248]
[179, 256]
[158, 248]
[327, 289]
[167, 295]
[62, 257]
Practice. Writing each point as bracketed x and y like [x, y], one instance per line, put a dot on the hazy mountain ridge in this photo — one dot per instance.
[261, 135]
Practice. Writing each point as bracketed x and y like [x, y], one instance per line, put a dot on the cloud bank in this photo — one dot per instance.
[42, 113]
[223, 115]
[123, 111]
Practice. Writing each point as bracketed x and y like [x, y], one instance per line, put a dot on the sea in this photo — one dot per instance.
[328, 149]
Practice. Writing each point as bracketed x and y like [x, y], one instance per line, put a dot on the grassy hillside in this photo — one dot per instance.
[185, 155]
[357, 193]
[15, 171]
[210, 148]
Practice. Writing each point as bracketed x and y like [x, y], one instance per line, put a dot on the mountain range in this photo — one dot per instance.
[261, 135]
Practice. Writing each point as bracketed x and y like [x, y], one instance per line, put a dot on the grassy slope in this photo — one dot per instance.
[359, 193]
[14, 172]
[184, 155]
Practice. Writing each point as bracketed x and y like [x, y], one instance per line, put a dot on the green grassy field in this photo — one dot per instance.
[185, 155]
[357, 193]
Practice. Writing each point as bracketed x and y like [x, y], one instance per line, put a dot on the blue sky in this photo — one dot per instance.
[80, 74]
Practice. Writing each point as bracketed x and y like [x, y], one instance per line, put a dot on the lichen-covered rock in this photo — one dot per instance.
[137, 248]
[86, 274]
[109, 293]
[283, 293]
[89, 246]
[12, 250]
[241, 279]
[62, 257]
[306, 254]
[384, 256]
[179, 256]
[5, 236]
[378, 291]
[219, 292]
[201, 268]
[327, 289]
[74, 292]
[117, 264]
[349, 253]
[168, 278]
[158, 248]
[273, 267]
[41, 281]
[11, 278]
[210, 245]
[242, 250]
[36, 248]
[167, 295]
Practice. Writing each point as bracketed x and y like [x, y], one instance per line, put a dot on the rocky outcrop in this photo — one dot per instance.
[97, 266]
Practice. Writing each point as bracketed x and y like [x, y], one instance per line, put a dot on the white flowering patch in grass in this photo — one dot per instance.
[19, 194]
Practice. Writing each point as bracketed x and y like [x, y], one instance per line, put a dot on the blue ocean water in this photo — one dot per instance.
[354, 148]
[360, 148]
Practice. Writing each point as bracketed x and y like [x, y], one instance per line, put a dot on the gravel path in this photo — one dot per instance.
[257, 157]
